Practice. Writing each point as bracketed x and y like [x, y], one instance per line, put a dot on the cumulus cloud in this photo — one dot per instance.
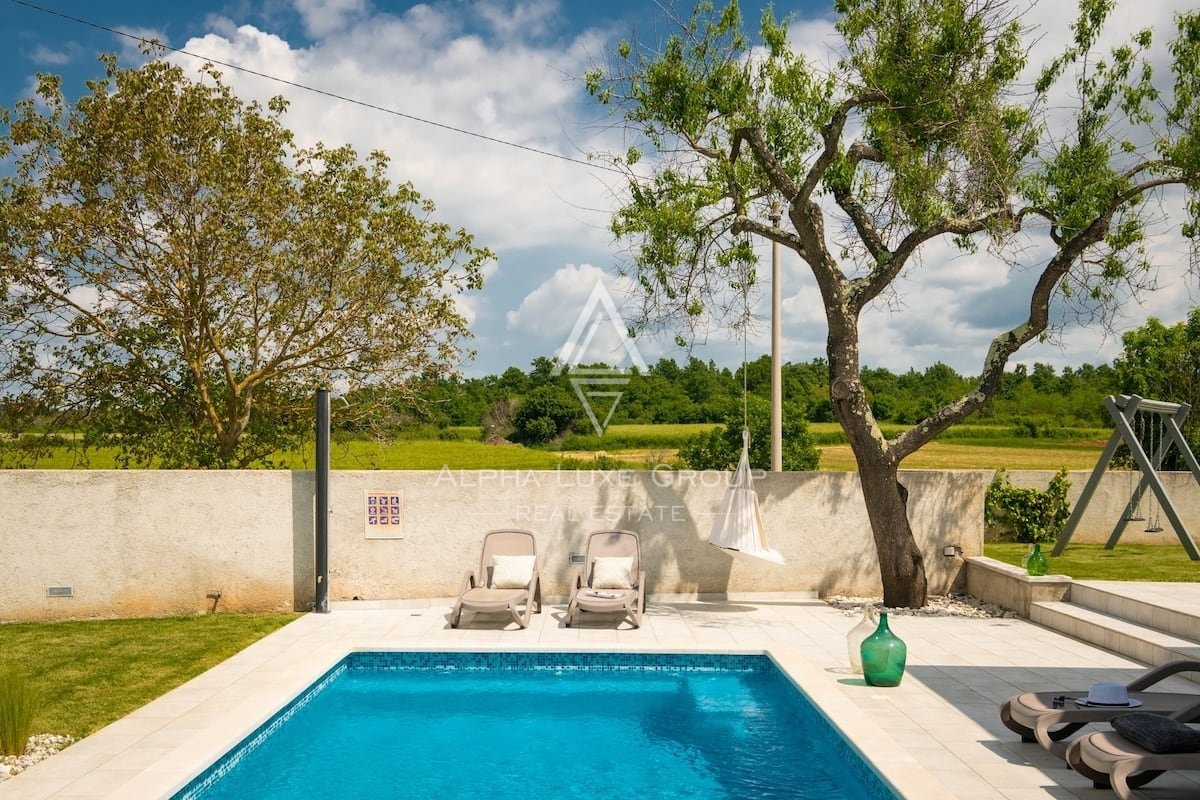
[511, 72]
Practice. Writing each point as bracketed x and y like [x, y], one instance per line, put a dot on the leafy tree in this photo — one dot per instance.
[545, 414]
[179, 275]
[1163, 363]
[922, 133]
[721, 448]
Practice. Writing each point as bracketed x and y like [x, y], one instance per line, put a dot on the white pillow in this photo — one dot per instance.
[612, 572]
[512, 572]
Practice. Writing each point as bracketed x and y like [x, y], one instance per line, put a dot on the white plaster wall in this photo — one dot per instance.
[134, 543]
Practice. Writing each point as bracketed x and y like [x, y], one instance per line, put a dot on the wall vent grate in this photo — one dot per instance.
[60, 591]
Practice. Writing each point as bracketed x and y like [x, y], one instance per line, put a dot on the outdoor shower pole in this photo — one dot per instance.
[322, 521]
[776, 354]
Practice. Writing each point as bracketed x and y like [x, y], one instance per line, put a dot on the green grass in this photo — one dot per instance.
[635, 437]
[644, 446]
[1126, 562]
[91, 673]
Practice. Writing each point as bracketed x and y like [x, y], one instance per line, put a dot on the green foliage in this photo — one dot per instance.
[545, 414]
[180, 275]
[721, 448]
[18, 705]
[1032, 515]
[1162, 362]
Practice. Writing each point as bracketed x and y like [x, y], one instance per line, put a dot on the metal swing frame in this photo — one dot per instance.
[1123, 408]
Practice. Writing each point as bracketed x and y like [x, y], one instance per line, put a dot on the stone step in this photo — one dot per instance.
[1147, 644]
[1104, 599]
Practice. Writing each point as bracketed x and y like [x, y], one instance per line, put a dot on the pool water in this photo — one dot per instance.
[549, 726]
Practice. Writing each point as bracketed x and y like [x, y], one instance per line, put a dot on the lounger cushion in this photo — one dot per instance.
[1157, 734]
[512, 572]
[612, 572]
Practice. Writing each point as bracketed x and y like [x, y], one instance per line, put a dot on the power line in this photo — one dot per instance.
[313, 89]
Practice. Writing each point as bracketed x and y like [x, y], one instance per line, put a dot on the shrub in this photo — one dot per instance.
[721, 447]
[18, 703]
[1033, 515]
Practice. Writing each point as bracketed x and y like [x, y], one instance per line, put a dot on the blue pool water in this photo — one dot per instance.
[552, 726]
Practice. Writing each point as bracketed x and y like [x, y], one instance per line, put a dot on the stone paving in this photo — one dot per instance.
[936, 736]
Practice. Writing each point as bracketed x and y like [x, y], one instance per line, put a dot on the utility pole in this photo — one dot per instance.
[776, 354]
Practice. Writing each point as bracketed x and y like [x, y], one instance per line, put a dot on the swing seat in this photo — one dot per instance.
[738, 525]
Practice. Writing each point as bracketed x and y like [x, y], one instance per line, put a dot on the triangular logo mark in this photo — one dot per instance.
[589, 398]
[596, 385]
[598, 309]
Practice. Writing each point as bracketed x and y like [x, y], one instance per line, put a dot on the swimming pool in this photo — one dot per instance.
[548, 725]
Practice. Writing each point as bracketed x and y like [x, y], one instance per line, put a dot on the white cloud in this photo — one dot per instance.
[508, 72]
[324, 17]
[550, 313]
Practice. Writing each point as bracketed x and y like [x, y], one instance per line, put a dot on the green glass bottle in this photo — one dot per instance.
[1036, 565]
[883, 655]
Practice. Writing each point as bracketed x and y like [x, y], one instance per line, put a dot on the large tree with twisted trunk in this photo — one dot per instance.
[927, 129]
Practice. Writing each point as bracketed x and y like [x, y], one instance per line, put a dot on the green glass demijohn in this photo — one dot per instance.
[883, 655]
[1036, 565]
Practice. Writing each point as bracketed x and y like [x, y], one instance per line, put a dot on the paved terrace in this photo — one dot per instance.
[936, 736]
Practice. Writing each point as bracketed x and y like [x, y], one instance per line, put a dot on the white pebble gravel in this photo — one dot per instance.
[39, 747]
[952, 605]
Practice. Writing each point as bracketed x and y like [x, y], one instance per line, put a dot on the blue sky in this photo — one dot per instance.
[511, 70]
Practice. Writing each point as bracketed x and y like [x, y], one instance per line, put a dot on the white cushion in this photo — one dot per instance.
[612, 572]
[512, 572]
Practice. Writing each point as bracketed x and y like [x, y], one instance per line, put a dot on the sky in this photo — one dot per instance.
[481, 105]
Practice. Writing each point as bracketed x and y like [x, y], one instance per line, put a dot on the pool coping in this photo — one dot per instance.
[935, 737]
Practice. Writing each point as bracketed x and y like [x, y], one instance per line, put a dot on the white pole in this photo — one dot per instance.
[776, 354]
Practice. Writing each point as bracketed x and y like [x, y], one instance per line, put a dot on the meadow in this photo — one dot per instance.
[646, 446]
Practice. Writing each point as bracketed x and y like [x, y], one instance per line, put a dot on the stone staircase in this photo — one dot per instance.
[1154, 626]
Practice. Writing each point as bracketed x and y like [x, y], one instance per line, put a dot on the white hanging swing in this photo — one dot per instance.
[739, 525]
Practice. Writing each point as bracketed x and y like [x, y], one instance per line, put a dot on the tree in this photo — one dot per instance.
[1163, 363]
[921, 133]
[545, 414]
[179, 275]
[721, 447]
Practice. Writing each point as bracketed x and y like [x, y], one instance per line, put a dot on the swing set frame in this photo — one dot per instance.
[1123, 409]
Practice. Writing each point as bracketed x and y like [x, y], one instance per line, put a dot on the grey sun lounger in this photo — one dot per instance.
[1050, 718]
[1139, 749]
[507, 579]
[612, 580]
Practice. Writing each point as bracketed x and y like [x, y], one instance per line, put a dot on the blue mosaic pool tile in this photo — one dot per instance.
[558, 662]
[214, 773]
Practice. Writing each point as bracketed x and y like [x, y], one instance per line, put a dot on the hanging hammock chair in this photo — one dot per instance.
[739, 525]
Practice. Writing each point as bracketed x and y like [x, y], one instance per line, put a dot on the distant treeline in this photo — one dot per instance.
[697, 391]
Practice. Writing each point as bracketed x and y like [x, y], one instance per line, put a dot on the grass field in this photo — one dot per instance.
[646, 446]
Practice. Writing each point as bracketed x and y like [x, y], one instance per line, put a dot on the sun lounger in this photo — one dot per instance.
[1138, 749]
[612, 580]
[1049, 718]
[507, 579]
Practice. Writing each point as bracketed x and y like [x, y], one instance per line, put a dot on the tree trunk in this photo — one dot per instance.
[901, 564]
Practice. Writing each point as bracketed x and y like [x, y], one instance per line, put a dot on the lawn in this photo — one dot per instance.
[1126, 562]
[93, 672]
